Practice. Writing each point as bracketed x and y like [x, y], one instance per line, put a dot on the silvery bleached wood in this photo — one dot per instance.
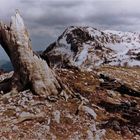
[29, 69]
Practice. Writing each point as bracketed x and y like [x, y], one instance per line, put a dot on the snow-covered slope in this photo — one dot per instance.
[87, 47]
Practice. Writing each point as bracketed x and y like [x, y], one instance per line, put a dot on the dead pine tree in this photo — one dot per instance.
[30, 71]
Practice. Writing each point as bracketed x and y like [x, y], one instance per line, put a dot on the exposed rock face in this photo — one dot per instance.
[86, 47]
[30, 71]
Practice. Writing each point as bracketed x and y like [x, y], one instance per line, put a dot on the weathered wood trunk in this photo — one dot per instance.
[29, 69]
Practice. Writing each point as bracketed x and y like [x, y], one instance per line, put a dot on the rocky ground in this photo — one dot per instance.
[104, 104]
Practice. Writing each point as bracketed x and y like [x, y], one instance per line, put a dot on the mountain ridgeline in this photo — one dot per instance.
[86, 47]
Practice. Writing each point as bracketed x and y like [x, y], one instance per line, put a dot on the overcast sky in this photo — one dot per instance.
[46, 19]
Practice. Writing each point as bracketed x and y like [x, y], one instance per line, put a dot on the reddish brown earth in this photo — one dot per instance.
[65, 117]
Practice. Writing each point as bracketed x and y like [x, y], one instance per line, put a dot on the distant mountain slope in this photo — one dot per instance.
[88, 47]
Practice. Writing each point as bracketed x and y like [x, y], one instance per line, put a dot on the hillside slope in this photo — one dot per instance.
[98, 109]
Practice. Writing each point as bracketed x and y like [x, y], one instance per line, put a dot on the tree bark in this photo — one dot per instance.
[29, 69]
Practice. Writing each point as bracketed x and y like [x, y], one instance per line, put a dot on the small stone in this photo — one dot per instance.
[93, 127]
[99, 134]
[116, 125]
[25, 114]
[18, 109]
[90, 111]
[15, 128]
[90, 135]
[56, 115]
[86, 84]
[111, 93]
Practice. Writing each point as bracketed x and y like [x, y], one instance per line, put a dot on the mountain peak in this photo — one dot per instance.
[87, 47]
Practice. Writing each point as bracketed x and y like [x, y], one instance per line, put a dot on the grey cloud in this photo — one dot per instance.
[46, 19]
[110, 20]
[65, 4]
[60, 19]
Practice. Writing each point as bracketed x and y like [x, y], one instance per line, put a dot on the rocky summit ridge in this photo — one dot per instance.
[87, 47]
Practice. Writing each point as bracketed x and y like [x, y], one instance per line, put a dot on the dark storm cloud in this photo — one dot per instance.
[61, 19]
[46, 19]
[53, 13]
[62, 12]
